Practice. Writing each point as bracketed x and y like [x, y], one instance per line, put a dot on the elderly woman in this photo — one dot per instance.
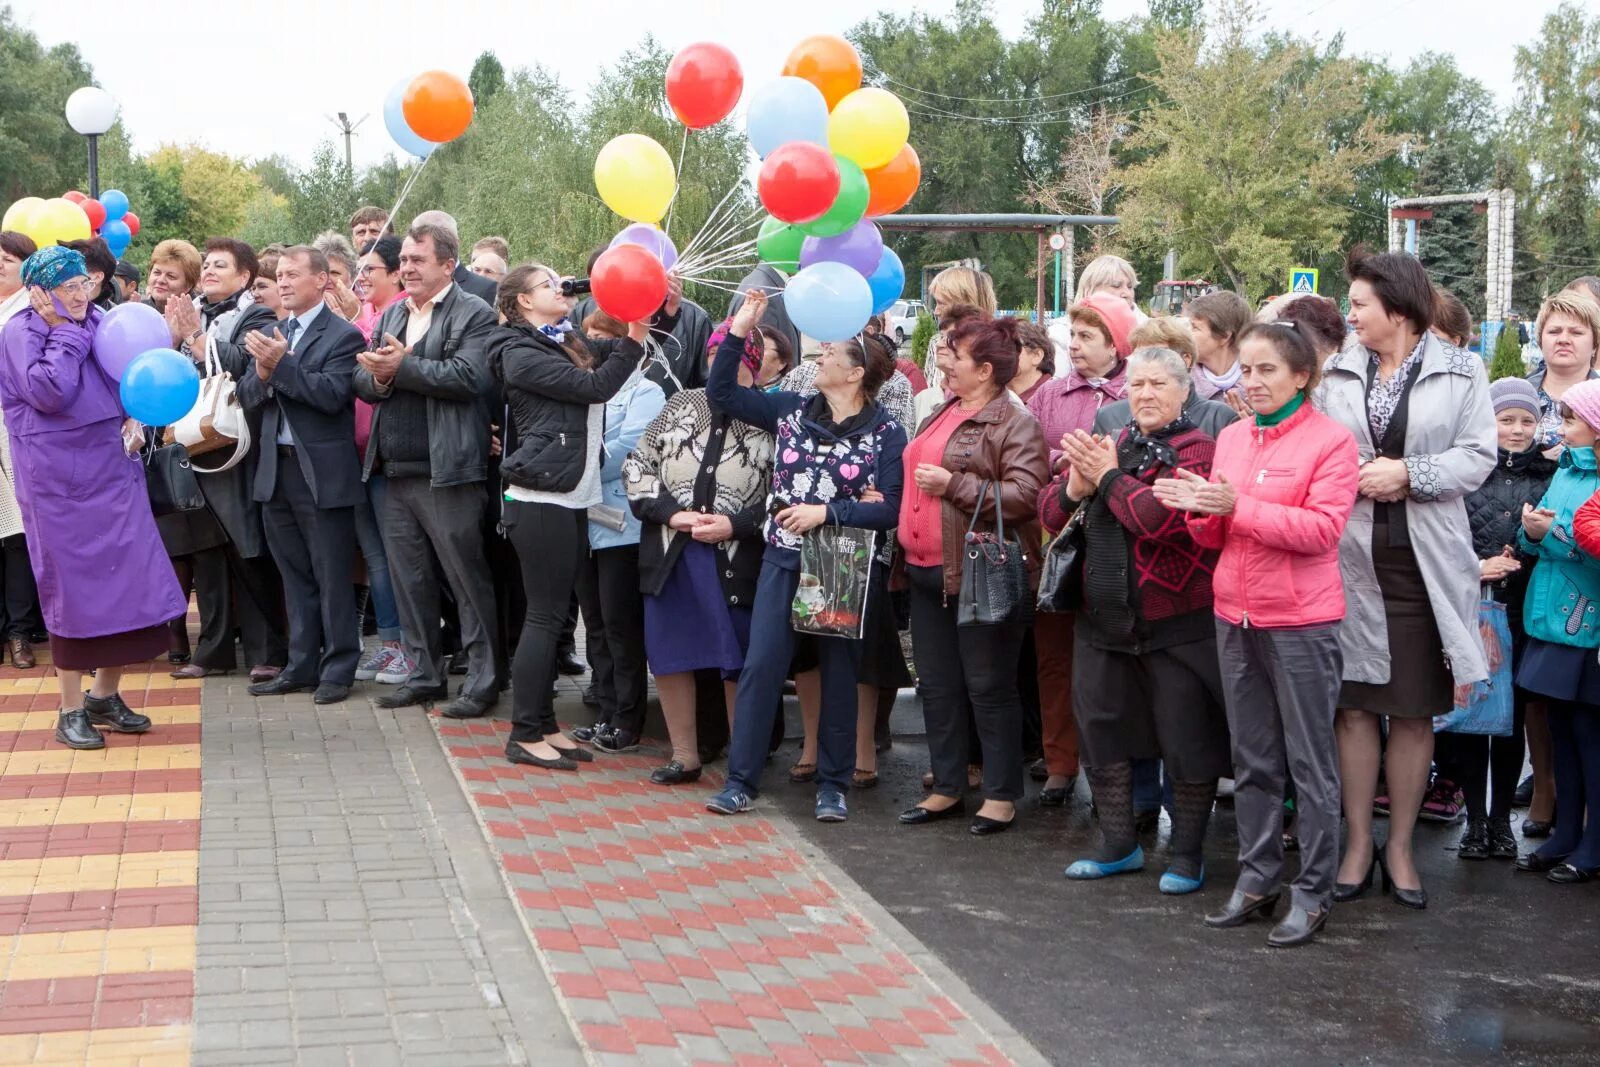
[1281, 490]
[20, 599]
[980, 445]
[1145, 679]
[106, 588]
[1420, 412]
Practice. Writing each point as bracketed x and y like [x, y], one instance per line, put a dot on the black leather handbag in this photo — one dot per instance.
[1061, 583]
[171, 481]
[994, 573]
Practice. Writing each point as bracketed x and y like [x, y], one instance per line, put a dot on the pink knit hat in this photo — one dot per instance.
[1117, 316]
[1583, 400]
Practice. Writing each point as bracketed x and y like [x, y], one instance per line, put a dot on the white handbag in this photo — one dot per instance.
[217, 419]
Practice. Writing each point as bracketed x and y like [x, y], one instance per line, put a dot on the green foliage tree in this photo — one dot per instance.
[921, 336]
[40, 155]
[1507, 362]
[487, 78]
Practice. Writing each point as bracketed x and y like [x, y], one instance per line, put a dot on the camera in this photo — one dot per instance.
[574, 286]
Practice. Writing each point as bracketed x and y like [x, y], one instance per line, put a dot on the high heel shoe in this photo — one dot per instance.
[1344, 892]
[1415, 899]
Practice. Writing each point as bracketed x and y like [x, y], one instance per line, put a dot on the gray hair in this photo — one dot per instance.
[442, 219]
[337, 246]
[1165, 358]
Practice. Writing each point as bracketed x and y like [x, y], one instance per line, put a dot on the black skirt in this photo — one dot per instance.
[1420, 685]
[1560, 672]
[111, 650]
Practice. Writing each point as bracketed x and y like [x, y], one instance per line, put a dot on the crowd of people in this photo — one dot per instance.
[1280, 531]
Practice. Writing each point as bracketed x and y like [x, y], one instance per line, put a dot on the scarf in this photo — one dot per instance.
[1153, 449]
[49, 267]
[1222, 383]
[1289, 408]
[1116, 369]
[557, 332]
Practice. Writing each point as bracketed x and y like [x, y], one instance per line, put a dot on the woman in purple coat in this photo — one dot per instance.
[105, 582]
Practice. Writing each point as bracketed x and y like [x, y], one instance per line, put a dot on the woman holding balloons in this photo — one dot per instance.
[104, 583]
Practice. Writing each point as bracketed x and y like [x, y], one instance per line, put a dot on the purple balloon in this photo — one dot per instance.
[859, 248]
[651, 239]
[125, 333]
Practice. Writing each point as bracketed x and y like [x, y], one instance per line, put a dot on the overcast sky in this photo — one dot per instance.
[257, 79]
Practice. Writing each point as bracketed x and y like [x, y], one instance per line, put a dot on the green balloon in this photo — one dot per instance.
[849, 207]
[779, 244]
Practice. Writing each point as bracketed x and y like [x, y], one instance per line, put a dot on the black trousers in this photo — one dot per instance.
[550, 542]
[315, 551]
[1486, 768]
[613, 622]
[21, 599]
[968, 674]
[238, 595]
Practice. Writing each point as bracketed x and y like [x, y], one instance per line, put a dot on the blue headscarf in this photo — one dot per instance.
[49, 267]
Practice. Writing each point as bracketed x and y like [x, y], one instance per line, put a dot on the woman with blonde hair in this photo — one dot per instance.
[1110, 274]
[968, 288]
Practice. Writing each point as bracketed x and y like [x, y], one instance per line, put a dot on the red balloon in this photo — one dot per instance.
[96, 212]
[75, 196]
[799, 182]
[133, 222]
[629, 283]
[704, 83]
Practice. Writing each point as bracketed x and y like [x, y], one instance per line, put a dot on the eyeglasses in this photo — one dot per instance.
[367, 268]
[73, 288]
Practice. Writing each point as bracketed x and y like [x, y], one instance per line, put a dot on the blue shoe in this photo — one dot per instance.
[830, 807]
[1085, 870]
[731, 801]
[1174, 884]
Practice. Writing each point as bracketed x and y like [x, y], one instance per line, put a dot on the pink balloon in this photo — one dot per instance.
[126, 332]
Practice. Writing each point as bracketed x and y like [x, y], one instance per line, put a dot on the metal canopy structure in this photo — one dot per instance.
[1041, 225]
[1501, 207]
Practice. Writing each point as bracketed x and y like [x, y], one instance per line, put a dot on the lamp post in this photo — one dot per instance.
[91, 111]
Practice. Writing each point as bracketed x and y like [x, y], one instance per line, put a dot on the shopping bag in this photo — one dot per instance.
[835, 574]
[1486, 707]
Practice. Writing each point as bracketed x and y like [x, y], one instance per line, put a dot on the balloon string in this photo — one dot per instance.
[405, 190]
[712, 221]
[677, 188]
[732, 253]
[712, 237]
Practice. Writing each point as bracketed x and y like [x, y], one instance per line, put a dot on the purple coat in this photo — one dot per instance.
[96, 554]
[1065, 404]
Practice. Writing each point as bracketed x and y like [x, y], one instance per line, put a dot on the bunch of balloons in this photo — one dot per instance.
[424, 112]
[133, 346]
[74, 217]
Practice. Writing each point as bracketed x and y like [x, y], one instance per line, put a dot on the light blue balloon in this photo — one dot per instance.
[159, 387]
[783, 110]
[828, 301]
[115, 201]
[887, 282]
[116, 235]
[394, 117]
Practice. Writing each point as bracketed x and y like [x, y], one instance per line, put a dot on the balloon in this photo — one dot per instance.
[828, 301]
[784, 110]
[799, 182]
[651, 239]
[57, 220]
[75, 196]
[887, 282]
[629, 283]
[704, 82]
[159, 387]
[848, 207]
[860, 248]
[394, 120]
[133, 223]
[95, 210]
[779, 243]
[830, 63]
[869, 126]
[437, 106]
[18, 214]
[126, 332]
[894, 183]
[115, 202]
[117, 235]
[635, 178]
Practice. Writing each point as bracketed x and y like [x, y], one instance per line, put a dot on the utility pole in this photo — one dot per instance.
[348, 129]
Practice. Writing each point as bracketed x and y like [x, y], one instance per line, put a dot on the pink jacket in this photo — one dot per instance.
[1065, 404]
[1296, 486]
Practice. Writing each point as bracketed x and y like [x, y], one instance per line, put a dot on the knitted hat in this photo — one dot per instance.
[1514, 393]
[1117, 316]
[754, 345]
[1583, 400]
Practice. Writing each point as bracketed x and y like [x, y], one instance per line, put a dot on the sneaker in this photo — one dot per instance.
[617, 741]
[399, 670]
[377, 661]
[588, 734]
[731, 801]
[1445, 801]
[830, 807]
[1380, 804]
[1474, 840]
[1502, 843]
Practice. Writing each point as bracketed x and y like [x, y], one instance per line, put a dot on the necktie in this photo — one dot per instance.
[291, 328]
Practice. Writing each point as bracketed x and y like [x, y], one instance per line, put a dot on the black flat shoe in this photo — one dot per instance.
[1535, 863]
[675, 773]
[408, 696]
[581, 755]
[517, 754]
[1299, 927]
[1537, 827]
[919, 815]
[1567, 874]
[331, 693]
[1240, 909]
[983, 826]
[282, 685]
[114, 713]
[1055, 798]
[1347, 891]
[74, 731]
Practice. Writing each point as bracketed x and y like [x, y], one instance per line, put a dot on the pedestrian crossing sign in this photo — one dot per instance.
[1303, 280]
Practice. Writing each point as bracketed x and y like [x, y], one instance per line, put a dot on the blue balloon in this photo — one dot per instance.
[115, 201]
[828, 301]
[784, 110]
[394, 117]
[159, 387]
[116, 235]
[887, 282]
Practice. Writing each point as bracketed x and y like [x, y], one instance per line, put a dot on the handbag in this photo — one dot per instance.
[830, 599]
[1486, 707]
[994, 573]
[1061, 584]
[171, 481]
[217, 419]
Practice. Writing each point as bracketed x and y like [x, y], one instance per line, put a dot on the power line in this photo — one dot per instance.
[879, 72]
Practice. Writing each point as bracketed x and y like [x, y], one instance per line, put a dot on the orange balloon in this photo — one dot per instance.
[829, 62]
[437, 106]
[893, 184]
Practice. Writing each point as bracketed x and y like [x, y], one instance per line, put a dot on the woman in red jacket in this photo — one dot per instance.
[1281, 489]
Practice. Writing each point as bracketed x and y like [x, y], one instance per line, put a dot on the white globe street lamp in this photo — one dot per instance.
[91, 111]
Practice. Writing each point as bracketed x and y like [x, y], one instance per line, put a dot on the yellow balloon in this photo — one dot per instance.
[58, 220]
[19, 215]
[635, 177]
[869, 127]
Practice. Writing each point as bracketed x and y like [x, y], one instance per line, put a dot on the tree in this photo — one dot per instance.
[1087, 176]
[487, 78]
[1507, 362]
[40, 155]
[324, 195]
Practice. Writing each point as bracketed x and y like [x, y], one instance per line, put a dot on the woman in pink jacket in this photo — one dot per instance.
[1281, 490]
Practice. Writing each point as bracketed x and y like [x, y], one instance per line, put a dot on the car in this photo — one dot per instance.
[901, 319]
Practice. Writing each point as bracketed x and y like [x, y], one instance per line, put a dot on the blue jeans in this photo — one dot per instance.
[766, 665]
[370, 538]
